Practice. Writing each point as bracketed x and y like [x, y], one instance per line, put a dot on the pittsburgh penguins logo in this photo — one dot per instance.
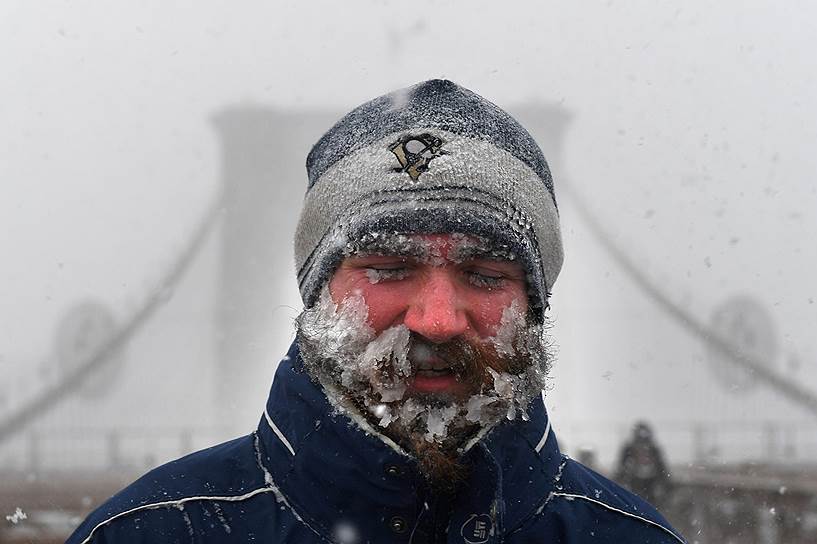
[415, 152]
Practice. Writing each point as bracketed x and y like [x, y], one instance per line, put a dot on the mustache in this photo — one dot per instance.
[469, 359]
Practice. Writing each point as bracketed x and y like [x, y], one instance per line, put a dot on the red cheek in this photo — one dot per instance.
[385, 303]
[487, 314]
[386, 308]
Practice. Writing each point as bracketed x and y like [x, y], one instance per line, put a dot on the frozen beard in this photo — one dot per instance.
[366, 377]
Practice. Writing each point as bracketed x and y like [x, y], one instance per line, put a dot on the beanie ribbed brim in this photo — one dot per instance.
[476, 187]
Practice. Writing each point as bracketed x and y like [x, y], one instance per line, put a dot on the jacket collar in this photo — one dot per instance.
[337, 477]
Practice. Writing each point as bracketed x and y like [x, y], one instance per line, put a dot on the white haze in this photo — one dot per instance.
[691, 137]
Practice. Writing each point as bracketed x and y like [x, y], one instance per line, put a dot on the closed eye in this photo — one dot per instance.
[484, 279]
[379, 273]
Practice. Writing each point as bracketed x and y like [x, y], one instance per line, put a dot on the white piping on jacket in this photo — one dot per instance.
[544, 438]
[278, 432]
[178, 502]
[571, 496]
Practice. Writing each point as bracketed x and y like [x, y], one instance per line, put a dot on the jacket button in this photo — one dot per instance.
[393, 470]
[398, 524]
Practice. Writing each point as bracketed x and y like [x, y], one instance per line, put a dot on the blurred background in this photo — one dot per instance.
[152, 165]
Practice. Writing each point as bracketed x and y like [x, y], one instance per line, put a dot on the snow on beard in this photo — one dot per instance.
[365, 375]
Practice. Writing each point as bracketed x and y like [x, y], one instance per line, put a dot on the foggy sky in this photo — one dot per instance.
[692, 137]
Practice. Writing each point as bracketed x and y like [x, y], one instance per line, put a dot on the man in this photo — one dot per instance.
[641, 467]
[409, 407]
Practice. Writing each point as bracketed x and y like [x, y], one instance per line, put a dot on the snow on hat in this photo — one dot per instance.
[432, 158]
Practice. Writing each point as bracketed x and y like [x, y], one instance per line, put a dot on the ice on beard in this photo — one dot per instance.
[342, 327]
[503, 383]
[345, 334]
[376, 369]
[392, 345]
[388, 355]
[437, 421]
[474, 406]
[512, 322]
[384, 415]
[392, 392]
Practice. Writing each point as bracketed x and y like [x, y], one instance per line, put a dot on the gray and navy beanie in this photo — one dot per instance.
[432, 158]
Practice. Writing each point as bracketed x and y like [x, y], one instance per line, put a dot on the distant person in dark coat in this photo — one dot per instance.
[641, 466]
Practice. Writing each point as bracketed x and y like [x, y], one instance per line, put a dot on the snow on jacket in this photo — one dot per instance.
[308, 474]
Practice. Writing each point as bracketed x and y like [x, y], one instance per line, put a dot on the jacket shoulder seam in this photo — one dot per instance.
[176, 503]
[572, 496]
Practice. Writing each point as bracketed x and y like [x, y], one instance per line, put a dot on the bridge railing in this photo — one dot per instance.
[134, 450]
[700, 442]
[141, 448]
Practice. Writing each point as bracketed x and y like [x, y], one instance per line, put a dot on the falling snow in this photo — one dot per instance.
[17, 516]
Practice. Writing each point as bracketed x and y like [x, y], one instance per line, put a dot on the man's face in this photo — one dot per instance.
[428, 338]
[440, 292]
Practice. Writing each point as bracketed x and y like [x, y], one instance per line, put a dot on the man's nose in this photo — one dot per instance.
[436, 310]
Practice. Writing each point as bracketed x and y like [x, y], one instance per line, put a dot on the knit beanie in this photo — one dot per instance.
[432, 158]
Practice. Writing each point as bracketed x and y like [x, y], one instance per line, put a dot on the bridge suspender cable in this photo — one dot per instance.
[53, 395]
[788, 388]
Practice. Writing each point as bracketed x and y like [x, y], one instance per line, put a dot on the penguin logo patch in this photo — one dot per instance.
[415, 152]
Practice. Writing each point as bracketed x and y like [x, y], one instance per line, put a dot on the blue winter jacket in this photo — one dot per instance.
[309, 475]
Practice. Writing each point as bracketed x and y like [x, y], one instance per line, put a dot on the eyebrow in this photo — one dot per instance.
[379, 243]
[463, 249]
[481, 249]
